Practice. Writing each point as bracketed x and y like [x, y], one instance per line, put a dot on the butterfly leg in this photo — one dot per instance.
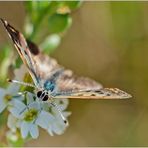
[53, 104]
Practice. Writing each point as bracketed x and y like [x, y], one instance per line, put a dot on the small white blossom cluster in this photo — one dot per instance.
[27, 113]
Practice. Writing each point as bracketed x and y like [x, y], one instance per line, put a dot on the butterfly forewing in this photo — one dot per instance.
[23, 50]
[43, 68]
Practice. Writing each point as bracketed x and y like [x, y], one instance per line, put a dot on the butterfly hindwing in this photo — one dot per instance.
[103, 93]
[67, 80]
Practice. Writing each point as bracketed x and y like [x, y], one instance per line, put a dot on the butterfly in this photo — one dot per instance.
[52, 80]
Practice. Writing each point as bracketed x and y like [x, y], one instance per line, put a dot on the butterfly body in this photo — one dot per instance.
[49, 85]
[54, 81]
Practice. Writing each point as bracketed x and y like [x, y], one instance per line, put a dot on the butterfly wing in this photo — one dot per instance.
[69, 85]
[42, 67]
[67, 80]
[103, 93]
[23, 50]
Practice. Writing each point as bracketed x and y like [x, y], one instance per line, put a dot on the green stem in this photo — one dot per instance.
[48, 10]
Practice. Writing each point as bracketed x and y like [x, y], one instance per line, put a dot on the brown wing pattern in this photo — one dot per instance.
[67, 81]
[103, 93]
[71, 86]
[41, 67]
[23, 50]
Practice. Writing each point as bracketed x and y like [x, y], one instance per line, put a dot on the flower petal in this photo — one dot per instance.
[62, 103]
[50, 131]
[34, 105]
[18, 104]
[2, 104]
[57, 115]
[13, 136]
[34, 131]
[25, 126]
[58, 128]
[13, 89]
[11, 122]
[45, 119]
[17, 108]
[2, 92]
[66, 114]
[30, 97]
[2, 101]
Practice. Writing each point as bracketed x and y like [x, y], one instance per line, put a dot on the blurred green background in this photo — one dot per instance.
[108, 41]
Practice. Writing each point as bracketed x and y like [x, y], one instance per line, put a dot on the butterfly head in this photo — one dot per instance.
[43, 95]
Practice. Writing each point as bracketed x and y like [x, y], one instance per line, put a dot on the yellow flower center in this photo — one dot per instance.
[30, 115]
[7, 97]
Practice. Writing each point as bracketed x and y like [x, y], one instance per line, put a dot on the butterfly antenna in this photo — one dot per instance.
[58, 109]
[21, 83]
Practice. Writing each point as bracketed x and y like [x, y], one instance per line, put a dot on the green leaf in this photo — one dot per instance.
[18, 62]
[28, 5]
[50, 43]
[41, 5]
[59, 23]
[5, 52]
[3, 119]
[37, 13]
[27, 79]
[73, 4]
[4, 62]
[36, 8]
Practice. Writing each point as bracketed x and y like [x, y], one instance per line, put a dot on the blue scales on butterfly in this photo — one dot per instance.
[49, 85]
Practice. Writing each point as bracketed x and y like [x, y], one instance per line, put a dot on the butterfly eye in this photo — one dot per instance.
[45, 98]
[39, 93]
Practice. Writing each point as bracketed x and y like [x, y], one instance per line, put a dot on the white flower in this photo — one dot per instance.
[58, 126]
[45, 120]
[35, 113]
[11, 135]
[28, 113]
[29, 127]
[7, 94]
[13, 122]
[3, 103]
